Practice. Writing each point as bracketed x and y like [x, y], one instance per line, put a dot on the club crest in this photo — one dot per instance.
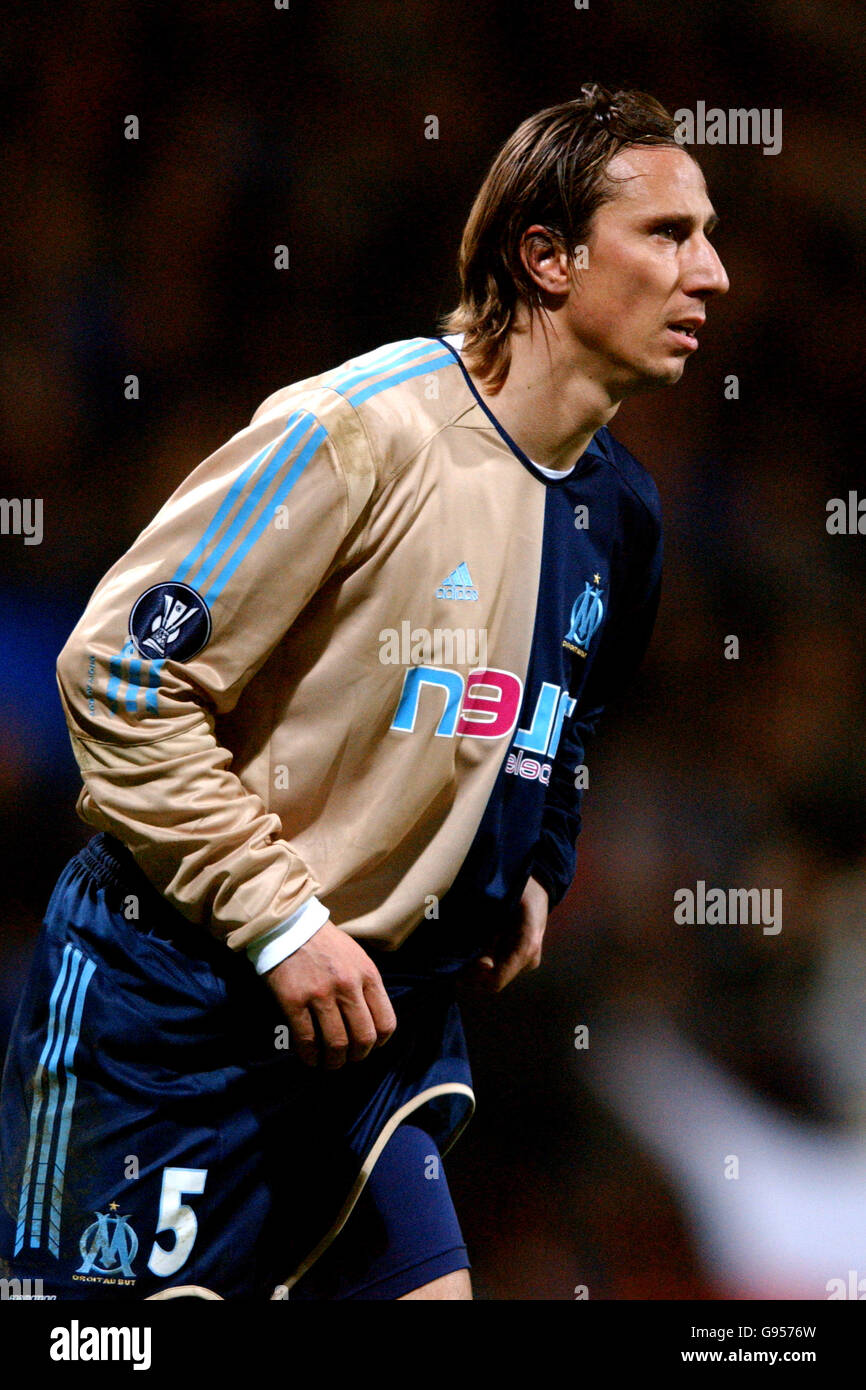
[586, 616]
[108, 1246]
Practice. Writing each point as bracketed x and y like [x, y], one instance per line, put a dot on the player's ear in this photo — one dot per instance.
[545, 260]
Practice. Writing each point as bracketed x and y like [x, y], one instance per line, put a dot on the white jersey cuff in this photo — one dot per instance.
[282, 940]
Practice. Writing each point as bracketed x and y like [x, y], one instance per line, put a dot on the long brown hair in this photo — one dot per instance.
[550, 171]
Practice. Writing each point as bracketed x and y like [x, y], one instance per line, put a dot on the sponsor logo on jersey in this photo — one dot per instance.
[170, 621]
[486, 705]
[458, 585]
[541, 736]
[586, 615]
[109, 1245]
[518, 765]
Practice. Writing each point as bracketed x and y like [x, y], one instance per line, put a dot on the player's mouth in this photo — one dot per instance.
[686, 332]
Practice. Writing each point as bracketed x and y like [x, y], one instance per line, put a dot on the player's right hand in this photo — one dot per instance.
[333, 996]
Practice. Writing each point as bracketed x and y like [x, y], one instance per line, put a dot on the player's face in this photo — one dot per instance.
[638, 305]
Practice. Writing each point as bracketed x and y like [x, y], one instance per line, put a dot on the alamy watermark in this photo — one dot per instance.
[737, 126]
[441, 646]
[729, 907]
[854, 1287]
[847, 516]
[24, 1291]
[77, 1343]
[22, 516]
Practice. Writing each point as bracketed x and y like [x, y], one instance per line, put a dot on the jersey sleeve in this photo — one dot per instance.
[173, 634]
[624, 645]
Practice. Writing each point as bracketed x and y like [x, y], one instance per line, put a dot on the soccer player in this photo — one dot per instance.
[331, 711]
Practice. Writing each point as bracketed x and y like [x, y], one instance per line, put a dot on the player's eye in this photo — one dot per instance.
[672, 230]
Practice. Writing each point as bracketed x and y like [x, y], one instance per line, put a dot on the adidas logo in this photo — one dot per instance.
[458, 585]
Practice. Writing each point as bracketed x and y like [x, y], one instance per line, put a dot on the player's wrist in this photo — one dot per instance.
[282, 941]
[539, 875]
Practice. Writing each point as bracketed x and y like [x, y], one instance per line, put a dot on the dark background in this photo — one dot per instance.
[306, 127]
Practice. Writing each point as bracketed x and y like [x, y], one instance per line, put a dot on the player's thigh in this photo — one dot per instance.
[402, 1236]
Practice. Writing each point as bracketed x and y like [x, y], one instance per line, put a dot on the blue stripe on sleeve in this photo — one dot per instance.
[352, 376]
[297, 426]
[221, 515]
[150, 699]
[316, 438]
[435, 364]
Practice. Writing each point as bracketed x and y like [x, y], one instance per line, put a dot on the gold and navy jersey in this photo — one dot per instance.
[357, 655]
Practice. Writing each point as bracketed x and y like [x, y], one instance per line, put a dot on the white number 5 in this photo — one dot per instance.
[174, 1216]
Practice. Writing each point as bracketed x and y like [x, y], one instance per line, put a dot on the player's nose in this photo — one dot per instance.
[706, 275]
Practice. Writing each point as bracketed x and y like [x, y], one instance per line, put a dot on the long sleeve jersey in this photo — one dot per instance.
[358, 654]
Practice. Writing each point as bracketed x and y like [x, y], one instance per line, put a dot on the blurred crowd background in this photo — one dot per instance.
[306, 127]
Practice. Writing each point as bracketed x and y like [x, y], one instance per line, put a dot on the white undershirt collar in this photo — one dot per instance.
[456, 341]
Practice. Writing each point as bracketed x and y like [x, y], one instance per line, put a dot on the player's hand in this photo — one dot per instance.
[333, 996]
[518, 948]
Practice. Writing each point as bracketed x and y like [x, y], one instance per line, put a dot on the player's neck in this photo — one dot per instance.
[550, 403]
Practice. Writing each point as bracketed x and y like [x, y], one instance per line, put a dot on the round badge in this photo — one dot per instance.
[170, 622]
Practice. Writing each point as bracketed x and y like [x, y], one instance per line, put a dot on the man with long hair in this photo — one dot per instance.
[331, 711]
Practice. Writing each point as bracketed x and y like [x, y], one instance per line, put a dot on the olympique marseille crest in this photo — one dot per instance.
[586, 615]
[108, 1247]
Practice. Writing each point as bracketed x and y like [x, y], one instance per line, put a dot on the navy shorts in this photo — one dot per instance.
[158, 1133]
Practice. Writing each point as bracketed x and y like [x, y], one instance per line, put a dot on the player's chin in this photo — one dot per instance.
[658, 374]
[671, 368]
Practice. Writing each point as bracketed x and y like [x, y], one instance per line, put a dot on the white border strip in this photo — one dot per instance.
[185, 1291]
[444, 1088]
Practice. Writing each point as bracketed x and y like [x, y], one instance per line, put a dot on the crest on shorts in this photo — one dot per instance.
[108, 1246]
[586, 615]
[170, 621]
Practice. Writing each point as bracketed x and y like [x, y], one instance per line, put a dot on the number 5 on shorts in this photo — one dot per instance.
[174, 1216]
